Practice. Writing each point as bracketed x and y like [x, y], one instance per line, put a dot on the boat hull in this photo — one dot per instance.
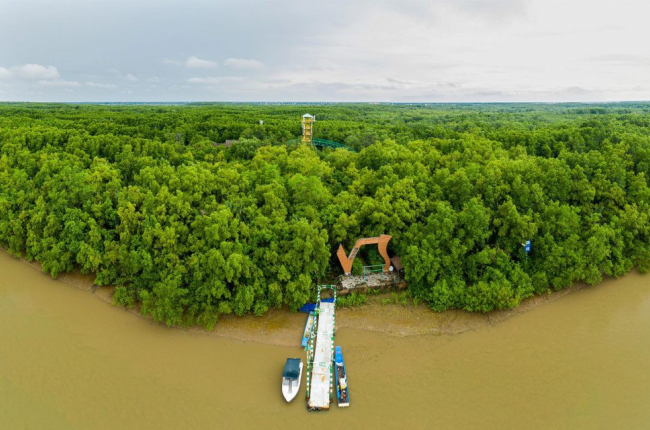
[290, 390]
[308, 328]
[342, 388]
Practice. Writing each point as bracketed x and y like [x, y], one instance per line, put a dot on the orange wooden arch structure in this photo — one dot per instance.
[382, 244]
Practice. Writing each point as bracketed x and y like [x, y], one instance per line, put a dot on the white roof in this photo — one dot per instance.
[307, 116]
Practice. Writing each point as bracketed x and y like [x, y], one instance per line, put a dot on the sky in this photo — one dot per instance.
[328, 51]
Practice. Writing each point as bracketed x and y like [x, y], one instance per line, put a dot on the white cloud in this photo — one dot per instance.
[365, 50]
[59, 83]
[241, 63]
[215, 80]
[198, 63]
[35, 71]
[129, 77]
[98, 85]
[169, 61]
[154, 79]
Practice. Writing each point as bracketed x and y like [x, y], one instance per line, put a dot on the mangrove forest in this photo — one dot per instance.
[197, 210]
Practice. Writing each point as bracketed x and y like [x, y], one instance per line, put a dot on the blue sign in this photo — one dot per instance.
[526, 246]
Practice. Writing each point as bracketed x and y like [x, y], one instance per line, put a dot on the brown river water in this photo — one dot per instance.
[70, 361]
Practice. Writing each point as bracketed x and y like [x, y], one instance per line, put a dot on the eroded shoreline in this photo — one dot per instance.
[282, 328]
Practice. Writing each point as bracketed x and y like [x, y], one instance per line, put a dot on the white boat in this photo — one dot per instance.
[291, 378]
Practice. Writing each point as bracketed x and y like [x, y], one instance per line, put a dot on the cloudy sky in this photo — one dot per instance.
[330, 50]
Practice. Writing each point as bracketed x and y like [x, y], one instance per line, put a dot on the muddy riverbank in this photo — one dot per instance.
[279, 326]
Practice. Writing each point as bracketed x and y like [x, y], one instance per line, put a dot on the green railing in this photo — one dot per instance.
[324, 143]
[321, 143]
[377, 268]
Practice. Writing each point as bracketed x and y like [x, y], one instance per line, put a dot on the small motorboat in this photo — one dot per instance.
[291, 378]
[342, 389]
[309, 325]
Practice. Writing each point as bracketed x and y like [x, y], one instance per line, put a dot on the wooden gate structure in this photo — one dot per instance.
[382, 245]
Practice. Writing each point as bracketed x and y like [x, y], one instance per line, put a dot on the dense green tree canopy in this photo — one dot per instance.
[146, 198]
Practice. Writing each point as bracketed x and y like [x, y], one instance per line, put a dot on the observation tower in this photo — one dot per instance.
[308, 129]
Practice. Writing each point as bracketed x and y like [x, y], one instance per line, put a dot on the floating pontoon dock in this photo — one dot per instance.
[321, 357]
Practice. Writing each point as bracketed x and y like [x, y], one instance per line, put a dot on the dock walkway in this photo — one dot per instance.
[321, 376]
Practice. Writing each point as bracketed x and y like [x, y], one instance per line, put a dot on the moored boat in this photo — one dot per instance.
[342, 389]
[308, 328]
[291, 377]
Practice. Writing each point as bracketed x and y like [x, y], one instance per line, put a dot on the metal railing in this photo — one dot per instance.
[377, 268]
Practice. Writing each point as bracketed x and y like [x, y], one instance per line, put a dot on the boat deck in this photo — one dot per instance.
[345, 397]
[321, 377]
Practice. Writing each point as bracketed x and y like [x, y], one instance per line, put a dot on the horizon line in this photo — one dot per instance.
[327, 102]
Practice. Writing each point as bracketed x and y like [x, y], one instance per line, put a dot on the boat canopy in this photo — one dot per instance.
[338, 355]
[291, 368]
[308, 307]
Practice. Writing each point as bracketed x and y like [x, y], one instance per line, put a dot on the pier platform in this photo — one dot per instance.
[321, 383]
[362, 284]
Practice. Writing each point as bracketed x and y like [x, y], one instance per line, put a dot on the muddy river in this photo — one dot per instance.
[70, 361]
